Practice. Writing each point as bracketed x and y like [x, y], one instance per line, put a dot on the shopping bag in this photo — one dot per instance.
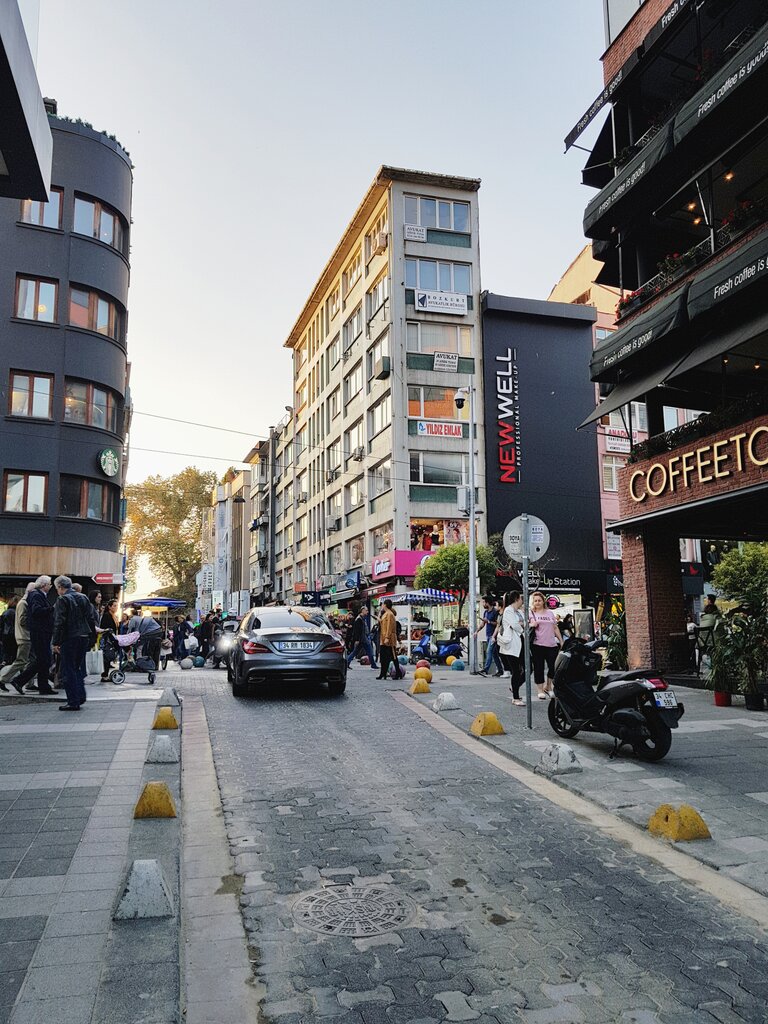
[94, 663]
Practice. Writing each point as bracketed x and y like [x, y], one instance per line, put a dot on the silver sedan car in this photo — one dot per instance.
[286, 645]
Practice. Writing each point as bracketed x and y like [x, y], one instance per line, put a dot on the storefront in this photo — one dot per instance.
[428, 534]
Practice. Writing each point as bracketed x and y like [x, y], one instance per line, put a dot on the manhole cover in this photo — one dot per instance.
[353, 911]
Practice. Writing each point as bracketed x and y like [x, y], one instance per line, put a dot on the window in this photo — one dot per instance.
[300, 442]
[25, 492]
[444, 214]
[36, 299]
[381, 538]
[435, 276]
[94, 312]
[353, 382]
[97, 220]
[90, 405]
[335, 560]
[601, 333]
[380, 227]
[434, 404]
[354, 440]
[86, 499]
[31, 395]
[352, 274]
[353, 495]
[334, 351]
[379, 417]
[377, 296]
[334, 404]
[301, 395]
[332, 306]
[353, 328]
[301, 528]
[611, 466]
[47, 215]
[433, 337]
[380, 478]
[438, 468]
[356, 551]
[334, 455]
[300, 356]
[639, 418]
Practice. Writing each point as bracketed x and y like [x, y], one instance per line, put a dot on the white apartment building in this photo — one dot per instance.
[368, 464]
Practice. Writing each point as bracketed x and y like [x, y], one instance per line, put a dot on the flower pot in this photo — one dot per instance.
[754, 701]
[722, 700]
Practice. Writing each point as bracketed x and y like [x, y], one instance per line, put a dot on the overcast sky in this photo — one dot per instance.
[256, 126]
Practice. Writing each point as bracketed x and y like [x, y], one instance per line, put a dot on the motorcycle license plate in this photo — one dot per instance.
[665, 699]
[297, 645]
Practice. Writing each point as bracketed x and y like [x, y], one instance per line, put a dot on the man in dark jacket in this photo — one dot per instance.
[72, 630]
[40, 624]
[8, 630]
[361, 639]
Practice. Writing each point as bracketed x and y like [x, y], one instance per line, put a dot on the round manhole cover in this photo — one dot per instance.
[354, 911]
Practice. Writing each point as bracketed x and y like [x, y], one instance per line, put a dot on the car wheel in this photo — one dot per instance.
[336, 687]
[239, 688]
[230, 676]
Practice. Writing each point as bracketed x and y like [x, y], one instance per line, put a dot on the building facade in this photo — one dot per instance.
[369, 461]
[64, 372]
[680, 224]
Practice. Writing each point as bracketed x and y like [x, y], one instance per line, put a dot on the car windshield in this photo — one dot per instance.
[289, 618]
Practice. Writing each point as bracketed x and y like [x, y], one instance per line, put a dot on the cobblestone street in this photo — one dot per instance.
[490, 903]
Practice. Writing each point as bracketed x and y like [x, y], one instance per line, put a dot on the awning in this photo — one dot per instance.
[717, 344]
[730, 276]
[597, 172]
[427, 596]
[729, 87]
[156, 602]
[610, 356]
[633, 389]
[635, 178]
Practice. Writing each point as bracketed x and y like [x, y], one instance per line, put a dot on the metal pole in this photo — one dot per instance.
[472, 538]
[526, 631]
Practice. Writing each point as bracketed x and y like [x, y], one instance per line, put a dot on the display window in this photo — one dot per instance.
[428, 534]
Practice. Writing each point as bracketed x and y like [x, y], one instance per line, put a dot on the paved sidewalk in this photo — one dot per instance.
[135, 687]
[68, 786]
[716, 764]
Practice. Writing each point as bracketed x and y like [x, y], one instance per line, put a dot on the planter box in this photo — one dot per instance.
[722, 700]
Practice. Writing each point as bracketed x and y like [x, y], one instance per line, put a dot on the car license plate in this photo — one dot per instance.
[297, 645]
[665, 699]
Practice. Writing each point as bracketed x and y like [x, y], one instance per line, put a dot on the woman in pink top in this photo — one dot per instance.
[546, 642]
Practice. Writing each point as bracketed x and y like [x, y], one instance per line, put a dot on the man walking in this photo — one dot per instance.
[23, 645]
[361, 638]
[7, 628]
[388, 640]
[72, 625]
[490, 618]
[40, 624]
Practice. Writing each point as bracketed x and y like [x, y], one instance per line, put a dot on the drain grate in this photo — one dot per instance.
[353, 911]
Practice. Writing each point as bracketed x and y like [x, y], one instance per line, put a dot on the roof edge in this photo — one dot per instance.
[492, 303]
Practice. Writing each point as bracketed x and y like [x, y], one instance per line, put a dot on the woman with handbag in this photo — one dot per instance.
[509, 636]
[545, 643]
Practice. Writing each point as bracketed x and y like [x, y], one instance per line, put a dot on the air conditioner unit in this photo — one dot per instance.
[288, 550]
[332, 523]
[383, 368]
[379, 243]
[358, 454]
[302, 497]
[331, 475]
[346, 354]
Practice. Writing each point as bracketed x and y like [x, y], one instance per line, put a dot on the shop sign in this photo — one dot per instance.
[414, 233]
[382, 567]
[109, 461]
[729, 457]
[507, 400]
[613, 545]
[435, 428]
[398, 563]
[441, 302]
[447, 361]
[299, 588]
[618, 441]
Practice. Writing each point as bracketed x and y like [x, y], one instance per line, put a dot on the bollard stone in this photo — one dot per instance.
[169, 698]
[162, 751]
[145, 893]
[445, 702]
[164, 719]
[558, 759]
[486, 724]
[419, 685]
[678, 825]
[155, 802]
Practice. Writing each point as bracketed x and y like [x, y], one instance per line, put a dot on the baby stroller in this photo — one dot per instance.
[117, 646]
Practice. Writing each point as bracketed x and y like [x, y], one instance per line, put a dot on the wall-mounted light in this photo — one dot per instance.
[691, 206]
[725, 360]
[697, 220]
[729, 176]
[756, 366]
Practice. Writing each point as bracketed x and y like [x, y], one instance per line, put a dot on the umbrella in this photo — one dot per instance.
[427, 596]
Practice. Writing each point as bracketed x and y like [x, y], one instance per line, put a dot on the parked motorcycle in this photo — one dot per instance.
[441, 649]
[637, 708]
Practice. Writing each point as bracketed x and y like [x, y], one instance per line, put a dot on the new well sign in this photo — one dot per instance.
[438, 428]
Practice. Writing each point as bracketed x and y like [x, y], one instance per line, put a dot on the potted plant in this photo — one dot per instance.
[742, 575]
[726, 671]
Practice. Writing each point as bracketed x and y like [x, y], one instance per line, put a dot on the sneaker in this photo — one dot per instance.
[18, 687]
[542, 696]
[519, 703]
[482, 672]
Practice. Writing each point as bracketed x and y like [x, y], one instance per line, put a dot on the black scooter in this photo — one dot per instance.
[637, 708]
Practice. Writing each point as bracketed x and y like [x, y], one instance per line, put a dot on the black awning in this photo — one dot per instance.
[597, 171]
[717, 283]
[634, 178]
[719, 343]
[633, 389]
[611, 355]
[730, 88]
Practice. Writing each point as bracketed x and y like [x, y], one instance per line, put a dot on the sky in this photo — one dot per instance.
[255, 128]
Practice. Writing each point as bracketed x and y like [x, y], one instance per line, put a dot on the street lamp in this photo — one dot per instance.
[460, 398]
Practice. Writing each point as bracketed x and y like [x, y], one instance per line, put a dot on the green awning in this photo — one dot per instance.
[731, 276]
[612, 354]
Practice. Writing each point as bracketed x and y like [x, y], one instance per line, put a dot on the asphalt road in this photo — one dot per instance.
[485, 902]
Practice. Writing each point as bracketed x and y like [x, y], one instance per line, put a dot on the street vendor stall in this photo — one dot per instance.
[410, 610]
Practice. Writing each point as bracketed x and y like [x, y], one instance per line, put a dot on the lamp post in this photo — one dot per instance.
[460, 398]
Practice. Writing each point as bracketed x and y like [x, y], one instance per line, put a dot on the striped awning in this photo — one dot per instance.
[426, 596]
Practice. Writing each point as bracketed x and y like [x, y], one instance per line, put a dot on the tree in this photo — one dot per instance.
[448, 569]
[742, 575]
[165, 519]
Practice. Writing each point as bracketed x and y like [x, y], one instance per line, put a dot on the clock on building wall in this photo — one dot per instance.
[109, 461]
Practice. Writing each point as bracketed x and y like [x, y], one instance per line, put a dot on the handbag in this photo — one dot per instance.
[94, 663]
[532, 636]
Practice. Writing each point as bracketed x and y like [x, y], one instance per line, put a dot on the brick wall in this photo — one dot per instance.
[632, 36]
[653, 592]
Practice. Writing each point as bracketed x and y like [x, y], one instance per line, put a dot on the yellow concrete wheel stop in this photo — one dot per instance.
[486, 724]
[420, 685]
[164, 719]
[155, 802]
[683, 824]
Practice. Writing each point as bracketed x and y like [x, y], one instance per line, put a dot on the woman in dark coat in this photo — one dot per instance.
[109, 624]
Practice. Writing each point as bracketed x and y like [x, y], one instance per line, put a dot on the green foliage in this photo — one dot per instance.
[448, 569]
[615, 626]
[740, 656]
[165, 517]
[742, 575]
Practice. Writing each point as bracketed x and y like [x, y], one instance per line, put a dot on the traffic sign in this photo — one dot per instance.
[515, 541]
[109, 578]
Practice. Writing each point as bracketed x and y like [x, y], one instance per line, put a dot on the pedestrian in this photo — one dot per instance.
[151, 634]
[8, 631]
[376, 637]
[567, 627]
[710, 613]
[388, 649]
[361, 638]
[109, 626]
[181, 630]
[509, 634]
[206, 635]
[545, 643]
[72, 631]
[40, 624]
[23, 644]
[489, 619]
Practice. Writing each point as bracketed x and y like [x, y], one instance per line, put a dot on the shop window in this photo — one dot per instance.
[46, 215]
[381, 539]
[25, 492]
[36, 299]
[31, 395]
[355, 551]
[427, 534]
